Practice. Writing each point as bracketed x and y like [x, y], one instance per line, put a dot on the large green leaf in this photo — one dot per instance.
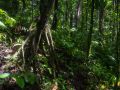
[6, 20]
[4, 75]
[2, 25]
[20, 81]
[30, 78]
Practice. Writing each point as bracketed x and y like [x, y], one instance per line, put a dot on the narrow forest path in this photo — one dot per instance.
[5, 52]
[6, 66]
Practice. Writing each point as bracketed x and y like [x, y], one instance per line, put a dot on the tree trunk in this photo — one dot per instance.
[32, 46]
[117, 48]
[90, 31]
[66, 12]
[101, 19]
[78, 13]
[55, 18]
[86, 14]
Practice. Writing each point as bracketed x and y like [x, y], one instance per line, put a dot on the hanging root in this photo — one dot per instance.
[20, 53]
[44, 37]
[49, 40]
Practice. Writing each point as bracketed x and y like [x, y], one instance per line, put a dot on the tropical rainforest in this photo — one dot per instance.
[59, 44]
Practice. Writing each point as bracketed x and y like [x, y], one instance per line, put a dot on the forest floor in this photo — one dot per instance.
[5, 53]
[6, 66]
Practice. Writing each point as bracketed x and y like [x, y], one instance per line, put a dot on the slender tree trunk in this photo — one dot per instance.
[101, 19]
[82, 16]
[91, 30]
[71, 16]
[114, 24]
[86, 14]
[117, 49]
[78, 13]
[66, 12]
[55, 18]
[24, 5]
[101, 22]
[71, 19]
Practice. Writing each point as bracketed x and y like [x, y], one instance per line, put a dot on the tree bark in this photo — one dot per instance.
[101, 19]
[78, 12]
[32, 46]
[86, 14]
[55, 17]
[117, 48]
[91, 30]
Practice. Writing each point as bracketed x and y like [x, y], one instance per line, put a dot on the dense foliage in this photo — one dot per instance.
[60, 44]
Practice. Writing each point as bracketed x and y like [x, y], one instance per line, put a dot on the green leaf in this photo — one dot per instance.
[4, 75]
[20, 81]
[30, 78]
[50, 71]
[2, 25]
